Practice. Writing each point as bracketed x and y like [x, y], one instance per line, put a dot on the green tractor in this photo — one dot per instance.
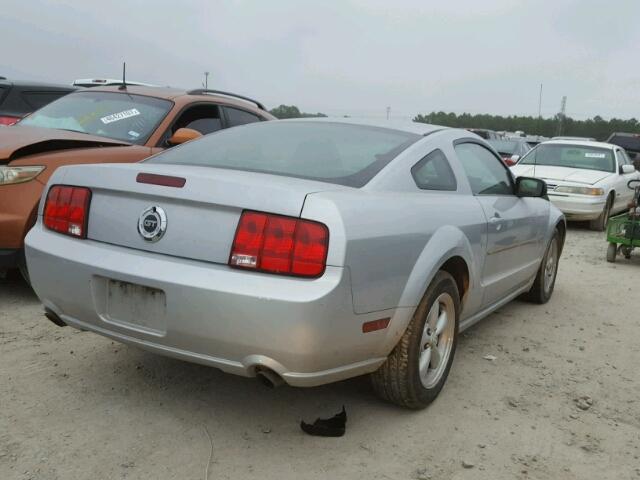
[623, 231]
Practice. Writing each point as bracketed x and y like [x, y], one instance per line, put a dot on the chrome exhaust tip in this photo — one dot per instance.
[269, 378]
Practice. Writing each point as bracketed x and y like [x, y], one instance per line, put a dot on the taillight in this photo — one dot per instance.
[508, 161]
[8, 120]
[279, 244]
[67, 210]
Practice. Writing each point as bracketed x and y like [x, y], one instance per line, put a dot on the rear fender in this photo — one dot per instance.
[446, 242]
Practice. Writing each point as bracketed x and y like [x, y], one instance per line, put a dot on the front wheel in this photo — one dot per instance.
[612, 251]
[417, 368]
[545, 281]
[600, 223]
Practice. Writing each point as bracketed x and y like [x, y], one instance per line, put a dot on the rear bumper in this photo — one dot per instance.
[579, 207]
[304, 330]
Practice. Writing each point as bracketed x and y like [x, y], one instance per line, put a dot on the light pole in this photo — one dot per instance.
[539, 112]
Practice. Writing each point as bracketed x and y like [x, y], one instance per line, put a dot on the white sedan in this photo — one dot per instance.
[586, 180]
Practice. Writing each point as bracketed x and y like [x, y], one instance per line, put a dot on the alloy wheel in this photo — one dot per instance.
[437, 340]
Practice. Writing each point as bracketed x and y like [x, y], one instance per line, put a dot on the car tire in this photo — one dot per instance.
[612, 251]
[545, 281]
[600, 223]
[416, 370]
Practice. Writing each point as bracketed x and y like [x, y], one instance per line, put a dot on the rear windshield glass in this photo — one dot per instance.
[330, 152]
[505, 147]
[121, 116]
[572, 156]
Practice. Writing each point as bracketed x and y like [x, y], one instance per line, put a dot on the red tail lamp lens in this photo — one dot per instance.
[8, 120]
[67, 210]
[279, 244]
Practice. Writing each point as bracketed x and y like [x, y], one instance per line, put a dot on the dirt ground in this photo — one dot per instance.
[561, 400]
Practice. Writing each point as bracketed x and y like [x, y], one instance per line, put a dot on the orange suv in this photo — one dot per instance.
[101, 125]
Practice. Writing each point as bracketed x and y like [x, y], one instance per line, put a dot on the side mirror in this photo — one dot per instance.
[624, 169]
[515, 158]
[530, 187]
[183, 135]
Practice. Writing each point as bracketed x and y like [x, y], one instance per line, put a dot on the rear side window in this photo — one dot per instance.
[486, 173]
[330, 152]
[434, 173]
[203, 118]
[236, 117]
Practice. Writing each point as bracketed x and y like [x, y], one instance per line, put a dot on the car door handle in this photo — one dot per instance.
[497, 221]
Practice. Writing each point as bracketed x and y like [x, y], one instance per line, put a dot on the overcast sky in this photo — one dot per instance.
[345, 56]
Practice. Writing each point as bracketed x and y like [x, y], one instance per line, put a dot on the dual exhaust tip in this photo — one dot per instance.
[266, 376]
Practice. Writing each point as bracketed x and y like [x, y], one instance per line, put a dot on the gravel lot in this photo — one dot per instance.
[560, 400]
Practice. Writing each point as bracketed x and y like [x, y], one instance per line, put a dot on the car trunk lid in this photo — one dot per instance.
[201, 215]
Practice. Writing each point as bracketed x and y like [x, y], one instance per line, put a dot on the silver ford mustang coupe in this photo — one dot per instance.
[302, 251]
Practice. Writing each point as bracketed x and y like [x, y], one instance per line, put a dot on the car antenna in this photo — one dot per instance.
[124, 81]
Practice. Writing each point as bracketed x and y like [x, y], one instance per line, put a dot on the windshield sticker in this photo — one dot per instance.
[133, 134]
[120, 116]
[594, 155]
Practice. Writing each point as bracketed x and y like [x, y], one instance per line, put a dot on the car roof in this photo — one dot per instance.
[580, 143]
[171, 93]
[106, 82]
[168, 93]
[402, 125]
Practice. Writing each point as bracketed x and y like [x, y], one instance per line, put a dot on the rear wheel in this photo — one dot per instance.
[417, 368]
[600, 223]
[612, 251]
[545, 281]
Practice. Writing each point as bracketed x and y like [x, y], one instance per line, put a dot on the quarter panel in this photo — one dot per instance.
[391, 241]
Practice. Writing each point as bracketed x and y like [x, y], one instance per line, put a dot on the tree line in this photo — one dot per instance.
[291, 111]
[596, 127]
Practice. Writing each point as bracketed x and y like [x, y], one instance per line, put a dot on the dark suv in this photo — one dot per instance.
[18, 99]
[630, 142]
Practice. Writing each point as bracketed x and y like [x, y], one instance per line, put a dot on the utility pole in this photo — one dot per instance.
[539, 112]
[540, 102]
[561, 115]
[388, 112]
[206, 80]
